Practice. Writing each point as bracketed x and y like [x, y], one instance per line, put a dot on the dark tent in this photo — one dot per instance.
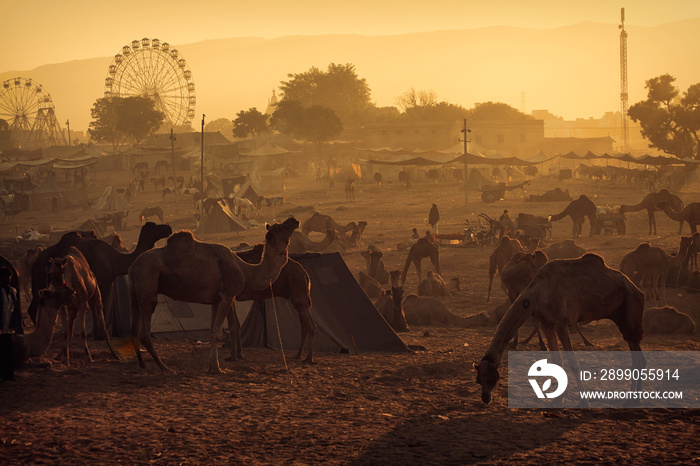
[222, 220]
[476, 179]
[346, 319]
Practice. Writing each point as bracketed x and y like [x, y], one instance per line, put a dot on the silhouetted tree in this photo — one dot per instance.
[496, 111]
[670, 123]
[339, 88]
[5, 136]
[412, 99]
[222, 125]
[122, 120]
[249, 122]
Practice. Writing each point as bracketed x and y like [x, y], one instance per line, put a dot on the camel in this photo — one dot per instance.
[26, 264]
[500, 257]
[651, 203]
[375, 264]
[299, 243]
[372, 288]
[422, 249]
[690, 214]
[694, 249]
[355, 237]
[192, 271]
[428, 310]
[293, 284]
[567, 249]
[563, 293]
[649, 262]
[105, 262]
[667, 321]
[434, 285]
[516, 275]
[73, 270]
[578, 210]
[151, 212]
[35, 344]
[350, 190]
[116, 242]
[390, 305]
[321, 223]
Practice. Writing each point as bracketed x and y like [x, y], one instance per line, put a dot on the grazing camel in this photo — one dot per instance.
[434, 285]
[649, 262]
[667, 321]
[151, 212]
[422, 249]
[516, 275]
[105, 262]
[578, 210]
[690, 214]
[500, 257]
[350, 190]
[192, 271]
[26, 264]
[567, 249]
[73, 270]
[299, 243]
[322, 223]
[35, 344]
[651, 203]
[564, 293]
[293, 284]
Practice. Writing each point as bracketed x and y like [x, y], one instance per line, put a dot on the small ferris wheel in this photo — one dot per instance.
[153, 69]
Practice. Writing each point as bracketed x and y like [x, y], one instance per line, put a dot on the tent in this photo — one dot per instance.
[247, 191]
[111, 201]
[476, 179]
[57, 194]
[221, 219]
[346, 319]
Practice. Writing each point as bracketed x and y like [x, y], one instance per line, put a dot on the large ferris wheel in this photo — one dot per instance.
[30, 114]
[153, 69]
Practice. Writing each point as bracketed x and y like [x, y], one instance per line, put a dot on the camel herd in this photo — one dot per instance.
[556, 288]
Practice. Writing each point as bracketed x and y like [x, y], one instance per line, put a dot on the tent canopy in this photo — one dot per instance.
[222, 220]
[111, 201]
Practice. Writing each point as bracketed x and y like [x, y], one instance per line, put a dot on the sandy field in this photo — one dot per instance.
[377, 408]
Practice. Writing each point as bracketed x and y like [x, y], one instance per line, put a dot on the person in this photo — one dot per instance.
[506, 222]
[434, 218]
[10, 321]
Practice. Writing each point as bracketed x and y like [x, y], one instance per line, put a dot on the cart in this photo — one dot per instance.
[494, 192]
[533, 226]
[609, 223]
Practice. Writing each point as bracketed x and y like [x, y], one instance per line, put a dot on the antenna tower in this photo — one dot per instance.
[624, 103]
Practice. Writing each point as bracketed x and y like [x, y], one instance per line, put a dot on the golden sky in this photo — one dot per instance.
[54, 31]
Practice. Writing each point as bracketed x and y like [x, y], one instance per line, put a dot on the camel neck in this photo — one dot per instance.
[40, 339]
[260, 276]
[514, 318]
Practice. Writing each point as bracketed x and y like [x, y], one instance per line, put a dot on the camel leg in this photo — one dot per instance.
[652, 220]
[308, 329]
[236, 352]
[69, 322]
[83, 331]
[98, 317]
[417, 263]
[142, 324]
[563, 333]
[585, 340]
[220, 311]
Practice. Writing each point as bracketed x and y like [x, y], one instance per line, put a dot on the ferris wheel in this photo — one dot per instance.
[153, 69]
[30, 113]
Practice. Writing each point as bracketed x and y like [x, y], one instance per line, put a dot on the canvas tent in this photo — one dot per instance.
[346, 319]
[111, 201]
[221, 219]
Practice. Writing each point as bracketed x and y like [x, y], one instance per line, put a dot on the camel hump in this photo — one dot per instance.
[181, 240]
[592, 258]
[643, 247]
[505, 241]
[664, 191]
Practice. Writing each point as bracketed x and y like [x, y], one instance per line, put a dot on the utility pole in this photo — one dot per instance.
[202, 170]
[465, 130]
[624, 103]
[172, 156]
[68, 126]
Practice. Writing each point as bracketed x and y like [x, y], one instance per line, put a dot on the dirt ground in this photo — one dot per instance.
[377, 408]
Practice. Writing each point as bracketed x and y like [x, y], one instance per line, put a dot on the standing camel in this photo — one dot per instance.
[422, 249]
[690, 214]
[151, 212]
[500, 257]
[651, 203]
[293, 284]
[192, 271]
[564, 293]
[73, 270]
[350, 190]
[578, 210]
[651, 263]
[105, 262]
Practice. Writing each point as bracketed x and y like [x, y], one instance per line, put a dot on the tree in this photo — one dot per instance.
[412, 99]
[222, 125]
[315, 124]
[5, 136]
[496, 111]
[339, 88]
[122, 120]
[670, 123]
[249, 122]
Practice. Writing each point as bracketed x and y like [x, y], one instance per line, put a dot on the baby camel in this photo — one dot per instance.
[72, 270]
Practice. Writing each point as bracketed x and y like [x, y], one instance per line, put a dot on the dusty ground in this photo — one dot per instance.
[411, 408]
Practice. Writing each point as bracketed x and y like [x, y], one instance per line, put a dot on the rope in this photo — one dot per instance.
[172, 311]
[277, 323]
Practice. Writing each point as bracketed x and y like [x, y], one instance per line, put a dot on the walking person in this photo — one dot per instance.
[10, 322]
[434, 218]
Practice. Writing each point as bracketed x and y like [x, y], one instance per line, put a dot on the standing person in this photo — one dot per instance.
[10, 322]
[434, 218]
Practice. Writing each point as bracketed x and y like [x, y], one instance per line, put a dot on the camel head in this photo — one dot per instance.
[395, 277]
[51, 300]
[486, 375]
[278, 234]
[331, 234]
[56, 266]
[152, 232]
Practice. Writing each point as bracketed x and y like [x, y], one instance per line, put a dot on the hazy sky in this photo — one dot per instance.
[50, 31]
